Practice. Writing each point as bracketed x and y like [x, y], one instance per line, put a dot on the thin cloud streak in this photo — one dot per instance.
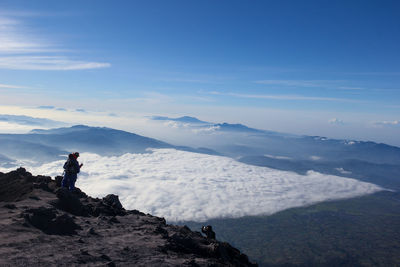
[309, 83]
[387, 123]
[47, 63]
[15, 39]
[12, 86]
[374, 73]
[300, 83]
[288, 97]
[336, 121]
[350, 88]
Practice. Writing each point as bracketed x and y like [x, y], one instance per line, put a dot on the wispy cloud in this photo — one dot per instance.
[336, 121]
[343, 171]
[315, 158]
[334, 84]
[287, 97]
[375, 73]
[27, 120]
[51, 108]
[14, 38]
[24, 13]
[387, 123]
[183, 80]
[47, 63]
[299, 83]
[11, 86]
[277, 157]
[350, 88]
[21, 50]
[46, 107]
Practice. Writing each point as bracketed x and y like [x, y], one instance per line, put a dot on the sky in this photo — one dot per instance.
[329, 68]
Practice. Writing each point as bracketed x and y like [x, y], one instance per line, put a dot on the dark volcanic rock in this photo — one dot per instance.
[113, 201]
[76, 229]
[70, 202]
[10, 206]
[15, 185]
[43, 185]
[58, 180]
[77, 192]
[48, 220]
[109, 206]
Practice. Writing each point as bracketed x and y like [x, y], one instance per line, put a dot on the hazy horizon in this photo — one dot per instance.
[310, 68]
[168, 131]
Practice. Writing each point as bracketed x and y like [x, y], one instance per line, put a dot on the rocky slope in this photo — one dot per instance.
[43, 224]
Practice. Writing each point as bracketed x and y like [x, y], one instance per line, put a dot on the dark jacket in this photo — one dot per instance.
[72, 160]
[208, 231]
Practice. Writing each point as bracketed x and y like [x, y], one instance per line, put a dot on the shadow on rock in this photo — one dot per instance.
[108, 206]
[48, 220]
[70, 202]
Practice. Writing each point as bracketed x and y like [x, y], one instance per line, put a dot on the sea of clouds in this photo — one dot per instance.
[183, 186]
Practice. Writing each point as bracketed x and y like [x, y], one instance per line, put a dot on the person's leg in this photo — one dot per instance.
[65, 181]
[72, 181]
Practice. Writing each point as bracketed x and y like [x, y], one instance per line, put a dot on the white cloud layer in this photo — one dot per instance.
[183, 186]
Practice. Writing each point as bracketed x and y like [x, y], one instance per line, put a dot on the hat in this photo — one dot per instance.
[76, 154]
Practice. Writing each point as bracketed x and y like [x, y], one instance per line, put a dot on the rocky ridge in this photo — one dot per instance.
[43, 224]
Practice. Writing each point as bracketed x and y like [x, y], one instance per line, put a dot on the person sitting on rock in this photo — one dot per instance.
[71, 170]
[208, 231]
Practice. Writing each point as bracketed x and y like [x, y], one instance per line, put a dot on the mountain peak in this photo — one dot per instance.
[237, 127]
[189, 119]
[186, 119]
[74, 128]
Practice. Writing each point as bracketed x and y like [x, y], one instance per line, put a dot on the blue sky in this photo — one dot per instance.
[309, 67]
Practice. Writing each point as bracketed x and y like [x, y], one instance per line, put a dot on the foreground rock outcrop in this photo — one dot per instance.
[43, 224]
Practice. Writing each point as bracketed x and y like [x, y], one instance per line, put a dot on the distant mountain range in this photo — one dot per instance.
[218, 126]
[42, 146]
[367, 161]
[101, 140]
[238, 140]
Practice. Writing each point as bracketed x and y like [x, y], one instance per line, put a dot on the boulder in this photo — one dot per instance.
[15, 185]
[58, 180]
[44, 186]
[79, 193]
[113, 201]
[68, 201]
[108, 206]
[48, 220]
